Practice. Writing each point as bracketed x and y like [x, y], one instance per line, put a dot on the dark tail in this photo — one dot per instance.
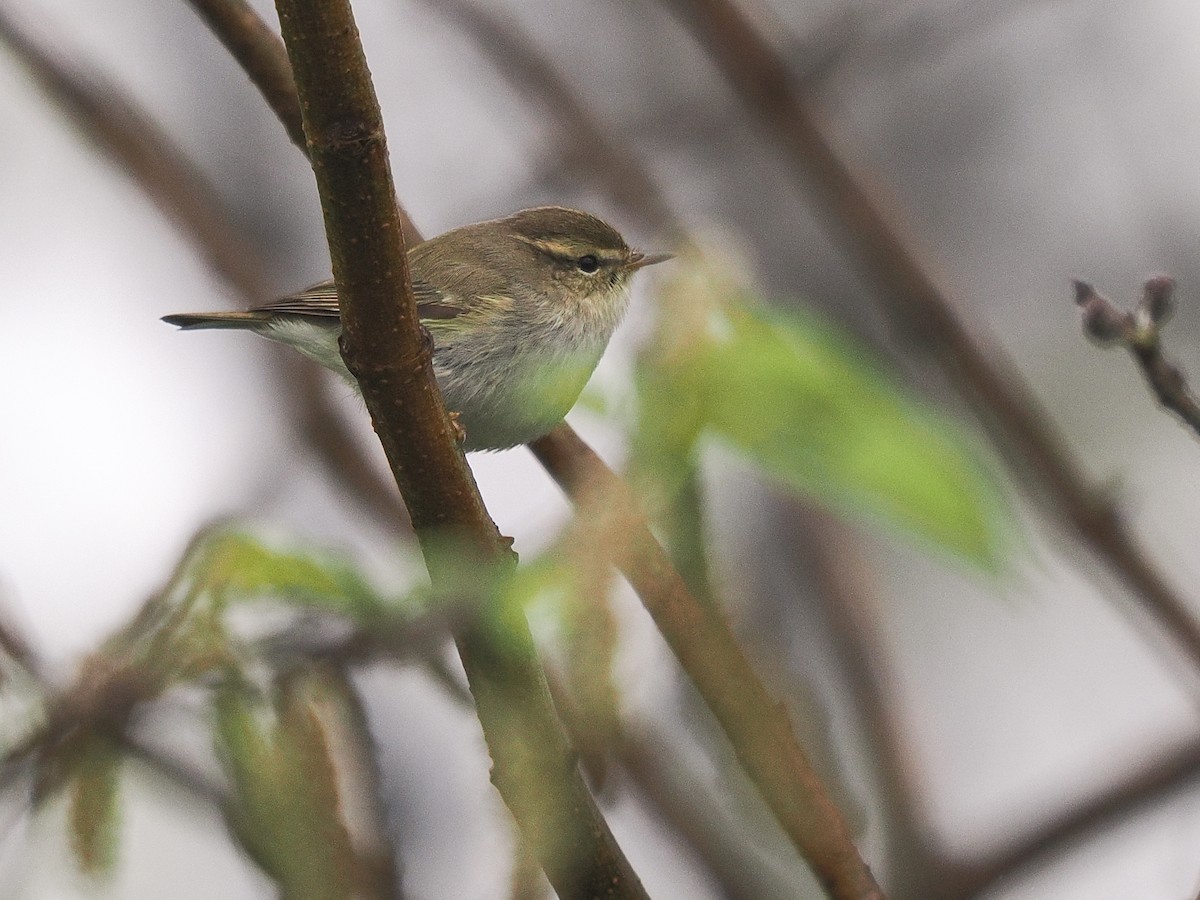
[189, 321]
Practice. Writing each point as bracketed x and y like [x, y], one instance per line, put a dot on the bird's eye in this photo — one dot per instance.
[588, 264]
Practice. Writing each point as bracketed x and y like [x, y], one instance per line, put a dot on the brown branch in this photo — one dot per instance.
[920, 308]
[385, 348]
[1140, 333]
[261, 53]
[757, 727]
[676, 794]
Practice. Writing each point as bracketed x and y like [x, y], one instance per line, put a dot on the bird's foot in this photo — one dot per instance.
[460, 433]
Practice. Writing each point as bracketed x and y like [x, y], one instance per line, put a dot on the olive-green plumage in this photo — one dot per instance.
[520, 310]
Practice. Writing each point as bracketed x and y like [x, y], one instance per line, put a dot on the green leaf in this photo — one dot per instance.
[238, 567]
[321, 861]
[806, 405]
[93, 806]
[258, 814]
[286, 812]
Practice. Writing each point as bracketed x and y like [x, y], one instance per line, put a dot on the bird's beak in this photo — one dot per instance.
[638, 260]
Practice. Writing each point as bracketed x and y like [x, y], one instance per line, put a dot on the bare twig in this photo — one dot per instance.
[921, 308]
[757, 727]
[927, 870]
[177, 772]
[386, 350]
[664, 780]
[1140, 333]
[416, 640]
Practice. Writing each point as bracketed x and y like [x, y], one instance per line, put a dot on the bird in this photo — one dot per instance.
[520, 310]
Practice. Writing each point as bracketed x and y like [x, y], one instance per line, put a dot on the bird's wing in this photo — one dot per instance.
[320, 301]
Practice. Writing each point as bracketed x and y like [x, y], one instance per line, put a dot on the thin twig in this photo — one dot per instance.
[664, 780]
[920, 308]
[1140, 332]
[383, 345]
[415, 640]
[177, 772]
[757, 727]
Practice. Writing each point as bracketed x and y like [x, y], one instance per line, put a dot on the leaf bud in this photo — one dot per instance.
[1158, 298]
[1102, 322]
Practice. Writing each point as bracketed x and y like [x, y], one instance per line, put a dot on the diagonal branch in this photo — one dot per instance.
[261, 53]
[757, 727]
[384, 346]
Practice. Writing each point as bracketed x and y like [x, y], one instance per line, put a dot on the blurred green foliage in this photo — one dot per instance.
[806, 405]
[94, 805]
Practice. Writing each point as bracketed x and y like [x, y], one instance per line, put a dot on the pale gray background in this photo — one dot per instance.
[1023, 143]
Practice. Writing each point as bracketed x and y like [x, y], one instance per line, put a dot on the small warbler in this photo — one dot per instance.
[520, 310]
